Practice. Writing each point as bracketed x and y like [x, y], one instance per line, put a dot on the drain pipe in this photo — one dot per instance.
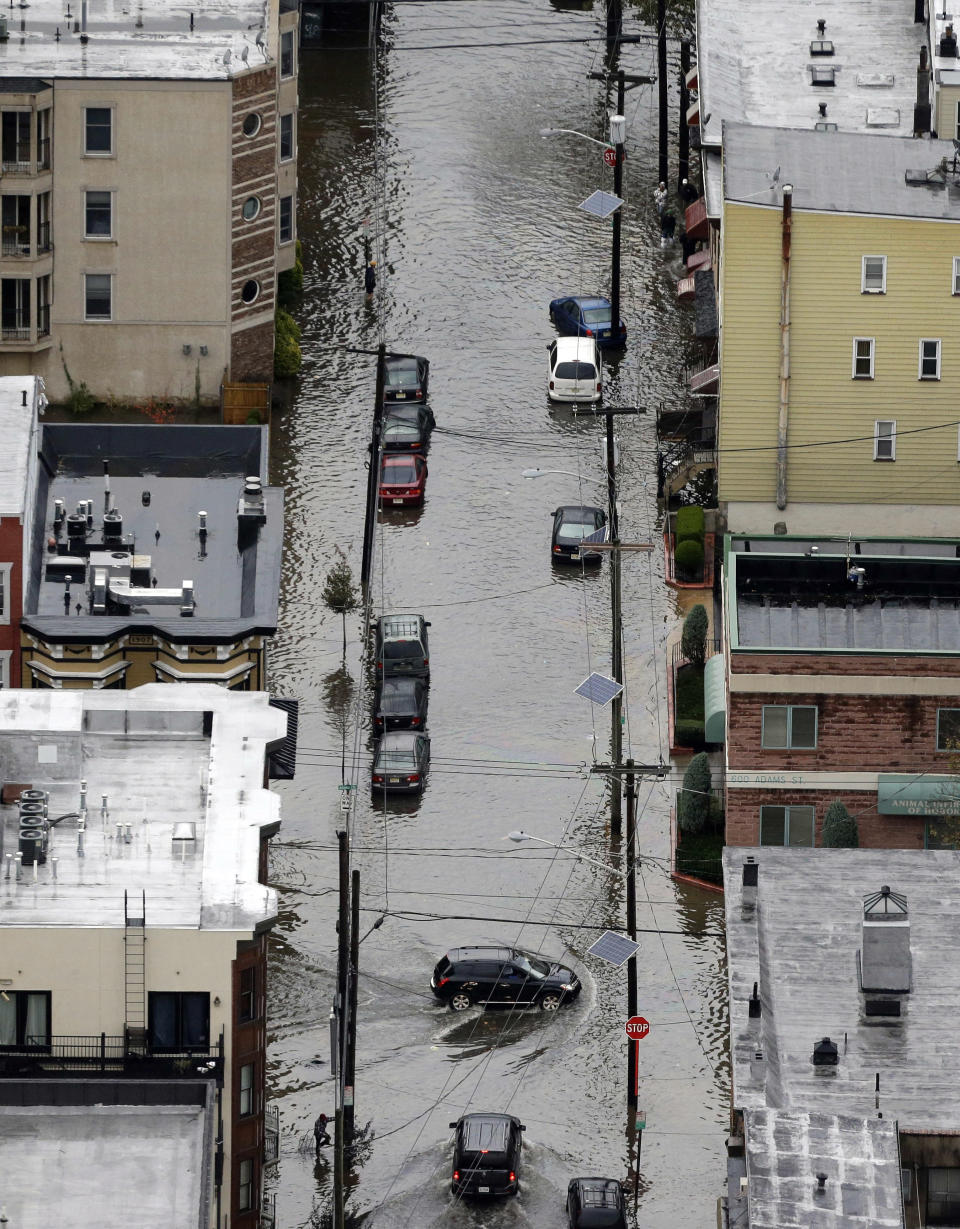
[784, 414]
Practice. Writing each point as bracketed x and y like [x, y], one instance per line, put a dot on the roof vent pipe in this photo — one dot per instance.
[83, 21]
[754, 1008]
[748, 899]
[106, 486]
[825, 1054]
[821, 27]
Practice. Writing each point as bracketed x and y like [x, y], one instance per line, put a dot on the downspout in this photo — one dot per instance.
[784, 414]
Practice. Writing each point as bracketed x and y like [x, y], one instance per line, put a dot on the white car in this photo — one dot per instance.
[574, 370]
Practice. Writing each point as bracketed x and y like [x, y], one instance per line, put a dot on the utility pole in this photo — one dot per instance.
[632, 1046]
[614, 23]
[350, 1059]
[373, 476]
[662, 83]
[683, 132]
[340, 1009]
[617, 191]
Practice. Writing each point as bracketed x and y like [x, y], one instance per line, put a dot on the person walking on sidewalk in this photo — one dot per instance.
[320, 1133]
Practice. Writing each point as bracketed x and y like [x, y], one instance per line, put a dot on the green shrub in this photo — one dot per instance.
[693, 642]
[839, 828]
[290, 282]
[693, 805]
[688, 733]
[286, 351]
[690, 524]
[688, 557]
[688, 697]
[701, 854]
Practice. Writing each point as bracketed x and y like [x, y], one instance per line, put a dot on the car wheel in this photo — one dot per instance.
[550, 1002]
[460, 1001]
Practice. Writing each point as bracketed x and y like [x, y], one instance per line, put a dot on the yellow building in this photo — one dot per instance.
[840, 353]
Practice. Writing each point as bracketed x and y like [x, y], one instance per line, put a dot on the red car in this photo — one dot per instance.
[403, 480]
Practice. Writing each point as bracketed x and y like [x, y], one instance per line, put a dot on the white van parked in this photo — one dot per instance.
[574, 370]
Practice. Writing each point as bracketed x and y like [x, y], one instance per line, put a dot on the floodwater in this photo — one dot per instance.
[429, 159]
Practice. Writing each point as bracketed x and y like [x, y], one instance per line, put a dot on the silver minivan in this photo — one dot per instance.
[574, 370]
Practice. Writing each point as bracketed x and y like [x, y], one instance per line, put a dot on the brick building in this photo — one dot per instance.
[149, 194]
[840, 680]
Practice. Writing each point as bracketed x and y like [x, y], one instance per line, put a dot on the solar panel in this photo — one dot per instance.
[613, 948]
[599, 689]
[598, 535]
[601, 204]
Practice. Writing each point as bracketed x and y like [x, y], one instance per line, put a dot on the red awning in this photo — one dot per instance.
[696, 219]
[707, 380]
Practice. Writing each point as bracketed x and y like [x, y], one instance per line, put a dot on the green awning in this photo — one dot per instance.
[909, 794]
[714, 699]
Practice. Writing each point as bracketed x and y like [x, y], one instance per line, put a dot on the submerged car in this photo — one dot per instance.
[400, 704]
[574, 370]
[405, 377]
[572, 523]
[596, 1203]
[403, 479]
[400, 762]
[588, 317]
[486, 1154]
[407, 427]
[502, 976]
[401, 646]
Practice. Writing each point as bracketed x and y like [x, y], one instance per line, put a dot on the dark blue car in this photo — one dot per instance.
[577, 316]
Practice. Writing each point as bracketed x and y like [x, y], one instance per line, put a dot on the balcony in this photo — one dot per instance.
[43, 154]
[104, 1054]
[15, 332]
[15, 241]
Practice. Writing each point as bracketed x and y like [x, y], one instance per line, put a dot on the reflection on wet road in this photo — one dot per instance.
[475, 228]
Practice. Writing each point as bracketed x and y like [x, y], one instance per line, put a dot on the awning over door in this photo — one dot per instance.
[715, 699]
[910, 794]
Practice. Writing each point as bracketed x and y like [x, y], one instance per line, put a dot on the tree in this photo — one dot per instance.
[339, 592]
[693, 806]
[839, 828]
[693, 642]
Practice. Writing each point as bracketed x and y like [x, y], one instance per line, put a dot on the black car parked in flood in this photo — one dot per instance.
[400, 704]
[406, 428]
[501, 977]
[596, 1203]
[571, 524]
[486, 1154]
[405, 377]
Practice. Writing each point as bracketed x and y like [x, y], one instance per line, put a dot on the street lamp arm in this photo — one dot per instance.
[519, 836]
[554, 132]
[540, 473]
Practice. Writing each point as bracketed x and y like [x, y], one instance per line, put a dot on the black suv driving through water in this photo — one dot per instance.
[486, 1154]
[501, 977]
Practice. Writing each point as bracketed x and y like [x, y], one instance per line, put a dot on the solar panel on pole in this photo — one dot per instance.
[599, 689]
[601, 204]
[613, 948]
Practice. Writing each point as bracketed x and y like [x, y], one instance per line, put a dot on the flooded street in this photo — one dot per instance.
[429, 159]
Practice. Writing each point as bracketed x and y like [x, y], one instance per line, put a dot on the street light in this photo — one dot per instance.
[519, 836]
[555, 132]
[542, 473]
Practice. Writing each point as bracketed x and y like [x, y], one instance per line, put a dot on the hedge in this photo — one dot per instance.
[688, 557]
[690, 524]
[693, 804]
[286, 353]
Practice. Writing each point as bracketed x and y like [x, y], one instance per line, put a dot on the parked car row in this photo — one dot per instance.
[402, 665]
[405, 434]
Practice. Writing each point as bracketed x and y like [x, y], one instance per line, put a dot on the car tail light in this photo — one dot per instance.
[377, 780]
[599, 388]
[414, 720]
[513, 1176]
[442, 982]
[456, 1175]
[551, 384]
[623, 328]
[557, 550]
[414, 780]
[419, 392]
[589, 333]
[426, 661]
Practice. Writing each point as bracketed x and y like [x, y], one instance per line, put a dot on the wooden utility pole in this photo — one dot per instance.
[662, 83]
[632, 1046]
[343, 952]
[617, 191]
[373, 476]
[614, 22]
[683, 132]
[350, 1057]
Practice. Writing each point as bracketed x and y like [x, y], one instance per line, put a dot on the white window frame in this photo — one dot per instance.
[957, 125]
[5, 655]
[88, 238]
[292, 117]
[871, 341]
[5, 570]
[288, 34]
[97, 319]
[101, 153]
[955, 285]
[293, 224]
[245, 1102]
[891, 438]
[928, 341]
[864, 288]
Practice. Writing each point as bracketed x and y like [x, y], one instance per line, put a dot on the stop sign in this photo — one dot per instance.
[610, 157]
[637, 1028]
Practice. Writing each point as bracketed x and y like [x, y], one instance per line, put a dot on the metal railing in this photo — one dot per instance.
[43, 237]
[19, 165]
[677, 659]
[15, 333]
[54, 1055]
[268, 1211]
[43, 320]
[43, 154]
[271, 1125]
[15, 241]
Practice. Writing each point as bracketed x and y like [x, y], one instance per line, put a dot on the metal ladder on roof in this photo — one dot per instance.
[135, 973]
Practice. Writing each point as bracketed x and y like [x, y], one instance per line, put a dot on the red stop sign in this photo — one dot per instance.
[637, 1028]
[610, 157]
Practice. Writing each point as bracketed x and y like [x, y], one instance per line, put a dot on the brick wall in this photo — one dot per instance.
[11, 551]
[249, 1046]
[251, 353]
[876, 831]
[843, 663]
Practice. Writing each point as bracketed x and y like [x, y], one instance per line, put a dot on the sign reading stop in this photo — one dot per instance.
[637, 1028]
[610, 157]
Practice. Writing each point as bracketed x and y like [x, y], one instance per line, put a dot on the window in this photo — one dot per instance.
[788, 725]
[286, 53]
[43, 222]
[15, 309]
[874, 275]
[98, 208]
[286, 219]
[250, 292]
[786, 825]
[948, 729]
[943, 1196]
[247, 1002]
[5, 656]
[179, 1019]
[885, 440]
[929, 358]
[43, 306]
[246, 1089]
[15, 141]
[286, 137]
[863, 348]
[24, 1018]
[5, 569]
[251, 207]
[98, 296]
[44, 128]
[97, 130]
[251, 124]
[245, 1186]
[955, 285]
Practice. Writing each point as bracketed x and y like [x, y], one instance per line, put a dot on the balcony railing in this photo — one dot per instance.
[94, 1055]
[43, 320]
[43, 237]
[15, 241]
[15, 333]
[43, 154]
[16, 160]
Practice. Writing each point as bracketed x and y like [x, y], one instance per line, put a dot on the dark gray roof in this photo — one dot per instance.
[837, 172]
[161, 478]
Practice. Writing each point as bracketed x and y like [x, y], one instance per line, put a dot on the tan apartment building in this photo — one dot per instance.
[839, 356]
[147, 193]
[133, 831]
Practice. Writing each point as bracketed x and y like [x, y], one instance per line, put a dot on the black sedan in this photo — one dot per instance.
[400, 763]
[406, 428]
[400, 704]
[571, 524]
[405, 377]
[577, 316]
[596, 1203]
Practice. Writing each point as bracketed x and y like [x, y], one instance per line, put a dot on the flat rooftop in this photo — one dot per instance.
[840, 172]
[800, 945]
[18, 426]
[151, 38]
[809, 594]
[175, 805]
[754, 65]
[160, 479]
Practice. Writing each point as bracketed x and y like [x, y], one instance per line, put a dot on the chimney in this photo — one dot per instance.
[921, 110]
[748, 898]
[948, 44]
[825, 1054]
